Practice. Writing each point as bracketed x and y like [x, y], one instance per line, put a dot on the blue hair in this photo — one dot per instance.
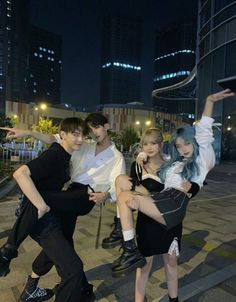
[187, 133]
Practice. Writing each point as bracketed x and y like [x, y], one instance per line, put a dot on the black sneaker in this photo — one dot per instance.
[116, 236]
[130, 259]
[7, 253]
[38, 295]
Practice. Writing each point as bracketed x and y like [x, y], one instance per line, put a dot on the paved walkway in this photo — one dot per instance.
[207, 266]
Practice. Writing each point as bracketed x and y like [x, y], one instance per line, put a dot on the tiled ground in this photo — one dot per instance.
[207, 267]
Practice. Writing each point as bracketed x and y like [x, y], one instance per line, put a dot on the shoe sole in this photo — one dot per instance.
[124, 272]
[108, 246]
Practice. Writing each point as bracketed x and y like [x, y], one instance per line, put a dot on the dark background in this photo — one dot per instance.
[79, 22]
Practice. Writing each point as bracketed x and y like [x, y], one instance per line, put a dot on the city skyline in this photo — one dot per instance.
[80, 26]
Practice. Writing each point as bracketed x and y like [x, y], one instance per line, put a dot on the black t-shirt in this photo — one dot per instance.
[50, 170]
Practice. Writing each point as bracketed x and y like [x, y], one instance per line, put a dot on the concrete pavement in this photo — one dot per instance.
[207, 265]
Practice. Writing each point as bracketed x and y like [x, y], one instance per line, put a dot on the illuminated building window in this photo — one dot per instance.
[121, 65]
[172, 54]
[171, 75]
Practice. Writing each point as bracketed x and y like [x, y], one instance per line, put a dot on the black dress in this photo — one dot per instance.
[152, 237]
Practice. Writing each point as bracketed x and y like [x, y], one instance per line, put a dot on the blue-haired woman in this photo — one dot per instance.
[191, 158]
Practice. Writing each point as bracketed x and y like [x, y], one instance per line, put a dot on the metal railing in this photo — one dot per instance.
[17, 155]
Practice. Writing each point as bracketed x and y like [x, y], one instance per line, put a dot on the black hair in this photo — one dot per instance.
[96, 119]
[71, 124]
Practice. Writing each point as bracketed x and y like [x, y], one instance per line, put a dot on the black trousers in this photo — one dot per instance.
[70, 204]
[60, 252]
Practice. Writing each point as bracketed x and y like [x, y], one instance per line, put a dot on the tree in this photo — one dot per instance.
[115, 138]
[128, 137]
[4, 122]
[45, 126]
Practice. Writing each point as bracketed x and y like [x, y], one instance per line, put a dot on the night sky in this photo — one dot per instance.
[79, 22]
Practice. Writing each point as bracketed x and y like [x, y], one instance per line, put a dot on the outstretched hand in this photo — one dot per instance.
[213, 98]
[220, 95]
[14, 132]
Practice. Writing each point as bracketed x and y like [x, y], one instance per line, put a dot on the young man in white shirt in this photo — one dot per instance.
[95, 164]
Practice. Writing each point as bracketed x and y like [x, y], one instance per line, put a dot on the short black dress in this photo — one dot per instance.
[152, 237]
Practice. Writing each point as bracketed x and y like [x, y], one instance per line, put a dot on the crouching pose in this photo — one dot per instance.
[191, 158]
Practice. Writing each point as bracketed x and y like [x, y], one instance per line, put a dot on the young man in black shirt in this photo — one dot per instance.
[48, 172]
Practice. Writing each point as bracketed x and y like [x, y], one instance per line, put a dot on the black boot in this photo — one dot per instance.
[130, 259]
[32, 293]
[7, 253]
[115, 237]
[173, 299]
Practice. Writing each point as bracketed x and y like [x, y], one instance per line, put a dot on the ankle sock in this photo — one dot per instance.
[128, 235]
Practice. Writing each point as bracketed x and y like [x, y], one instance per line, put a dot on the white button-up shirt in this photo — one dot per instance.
[205, 159]
[99, 171]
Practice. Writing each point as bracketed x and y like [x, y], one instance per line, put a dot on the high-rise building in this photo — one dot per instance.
[44, 67]
[121, 60]
[216, 60]
[14, 25]
[175, 53]
[174, 60]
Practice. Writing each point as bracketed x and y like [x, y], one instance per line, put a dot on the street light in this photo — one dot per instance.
[143, 127]
[148, 123]
[43, 106]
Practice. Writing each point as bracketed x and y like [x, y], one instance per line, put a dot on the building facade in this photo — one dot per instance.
[121, 60]
[174, 60]
[43, 80]
[216, 60]
[14, 34]
[175, 53]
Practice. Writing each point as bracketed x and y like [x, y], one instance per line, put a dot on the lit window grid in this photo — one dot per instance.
[174, 54]
[172, 75]
[122, 65]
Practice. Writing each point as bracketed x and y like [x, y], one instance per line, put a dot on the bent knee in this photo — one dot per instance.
[122, 182]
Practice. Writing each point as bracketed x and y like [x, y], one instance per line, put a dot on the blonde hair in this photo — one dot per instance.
[155, 133]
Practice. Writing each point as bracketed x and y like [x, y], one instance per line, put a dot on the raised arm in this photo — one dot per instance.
[17, 133]
[213, 98]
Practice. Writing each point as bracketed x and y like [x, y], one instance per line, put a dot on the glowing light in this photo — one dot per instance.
[121, 65]
[43, 106]
[172, 75]
[172, 54]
